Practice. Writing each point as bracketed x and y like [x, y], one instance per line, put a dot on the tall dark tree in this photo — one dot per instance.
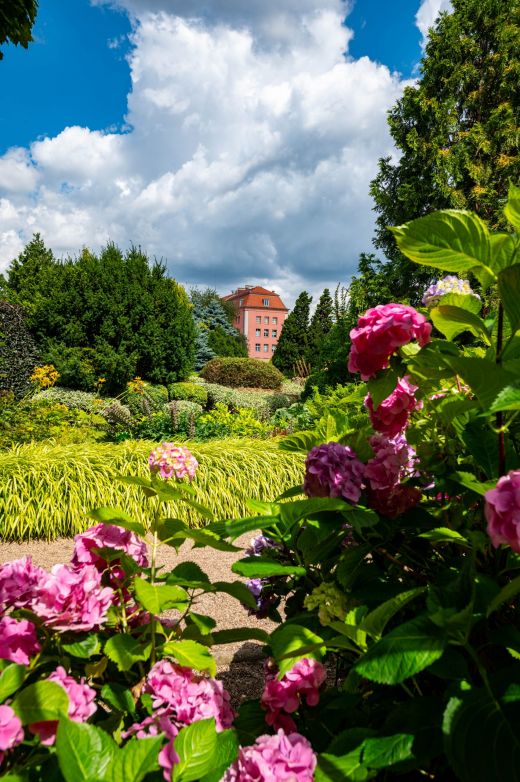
[16, 21]
[18, 353]
[320, 325]
[292, 344]
[456, 130]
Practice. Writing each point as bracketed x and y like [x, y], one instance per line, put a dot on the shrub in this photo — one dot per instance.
[245, 372]
[18, 352]
[143, 398]
[220, 422]
[190, 392]
[75, 366]
[74, 400]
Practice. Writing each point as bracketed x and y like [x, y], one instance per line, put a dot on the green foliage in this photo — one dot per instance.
[18, 352]
[220, 422]
[246, 372]
[74, 400]
[216, 336]
[293, 340]
[320, 326]
[191, 392]
[17, 18]
[224, 344]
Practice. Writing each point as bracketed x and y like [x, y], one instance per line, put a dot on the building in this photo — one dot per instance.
[259, 314]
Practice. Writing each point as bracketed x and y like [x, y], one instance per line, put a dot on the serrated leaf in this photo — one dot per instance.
[85, 753]
[135, 760]
[238, 634]
[11, 679]
[292, 642]
[469, 481]
[118, 696]
[190, 575]
[238, 590]
[84, 649]
[176, 530]
[294, 491]
[505, 595]
[463, 300]
[237, 527]
[204, 624]
[191, 654]
[507, 399]
[118, 517]
[262, 567]
[452, 321]
[226, 753]
[376, 621]
[196, 746]
[125, 651]
[445, 535]
[300, 441]
[157, 598]
[42, 701]
[485, 378]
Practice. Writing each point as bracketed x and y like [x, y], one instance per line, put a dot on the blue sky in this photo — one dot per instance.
[237, 146]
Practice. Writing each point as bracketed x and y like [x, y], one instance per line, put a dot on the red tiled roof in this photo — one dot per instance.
[253, 297]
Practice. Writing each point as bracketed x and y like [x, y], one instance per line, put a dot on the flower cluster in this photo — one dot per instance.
[380, 332]
[137, 385]
[11, 731]
[261, 543]
[18, 581]
[172, 461]
[502, 511]
[394, 460]
[109, 536]
[331, 603]
[46, 376]
[282, 697]
[278, 758]
[265, 595]
[449, 284]
[81, 705]
[392, 415]
[18, 641]
[333, 470]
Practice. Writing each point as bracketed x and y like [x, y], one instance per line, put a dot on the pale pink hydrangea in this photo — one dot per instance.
[107, 536]
[391, 416]
[333, 470]
[18, 641]
[393, 461]
[11, 731]
[72, 599]
[380, 332]
[81, 705]
[173, 461]
[282, 697]
[18, 581]
[278, 758]
[502, 511]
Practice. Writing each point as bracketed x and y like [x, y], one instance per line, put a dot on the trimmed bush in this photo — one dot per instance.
[245, 372]
[150, 399]
[74, 400]
[190, 392]
[18, 353]
[47, 491]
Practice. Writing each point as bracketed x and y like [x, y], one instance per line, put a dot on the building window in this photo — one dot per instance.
[257, 348]
[257, 332]
[240, 302]
[266, 319]
[274, 333]
[265, 302]
[258, 318]
[266, 348]
[275, 321]
[266, 332]
[273, 348]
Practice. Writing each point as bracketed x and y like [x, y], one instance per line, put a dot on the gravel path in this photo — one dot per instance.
[240, 665]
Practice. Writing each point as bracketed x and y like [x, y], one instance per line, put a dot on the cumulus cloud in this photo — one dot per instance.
[428, 12]
[247, 158]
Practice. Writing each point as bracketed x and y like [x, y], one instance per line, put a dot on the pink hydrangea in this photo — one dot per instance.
[278, 758]
[333, 470]
[107, 536]
[393, 461]
[396, 502]
[18, 581]
[18, 641]
[282, 697]
[392, 415]
[189, 697]
[502, 511]
[72, 599]
[11, 731]
[380, 332]
[81, 705]
[173, 461]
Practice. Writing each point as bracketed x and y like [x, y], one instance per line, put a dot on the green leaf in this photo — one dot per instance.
[135, 760]
[505, 595]
[118, 517]
[204, 624]
[376, 621]
[157, 598]
[144, 484]
[190, 575]
[85, 753]
[42, 701]
[403, 652]
[463, 301]
[364, 757]
[452, 240]
[509, 289]
[292, 642]
[300, 441]
[226, 753]
[237, 634]
[238, 590]
[482, 444]
[470, 482]
[445, 535]
[11, 679]
[382, 386]
[507, 399]
[452, 321]
[384, 751]
[250, 722]
[294, 491]
[512, 207]
[118, 696]
[84, 649]
[196, 746]
[485, 378]
[293, 512]
[125, 651]
[237, 527]
[191, 654]
[262, 567]
[176, 530]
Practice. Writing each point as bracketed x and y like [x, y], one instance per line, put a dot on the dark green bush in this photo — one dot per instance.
[190, 392]
[18, 353]
[246, 372]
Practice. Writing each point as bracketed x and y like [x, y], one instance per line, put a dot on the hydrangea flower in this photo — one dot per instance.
[81, 705]
[261, 543]
[18, 581]
[333, 470]
[173, 461]
[391, 416]
[107, 536]
[72, 599]
[396, 502]
[449, 284]
[262, 591]
[502, 511]
[282, 697]
[393, 461]
[380, 332]
[18, 641]
[278, 758]
[330, 601]
[11, 731]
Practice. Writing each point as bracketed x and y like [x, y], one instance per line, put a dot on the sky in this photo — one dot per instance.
[234, 139]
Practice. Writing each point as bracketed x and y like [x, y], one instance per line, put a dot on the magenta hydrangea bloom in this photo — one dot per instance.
[380, 332]
[18, 641]
[108, 536]
[173, 461]
[502, 511]
[449, 284]
[392, 415]
[333, 470]
[282, 697]
[11, 731]
[18, 581]
[186, 696]
[72, 599]
[396, 502]
[393, 461]
[278, 758]
[81, 705]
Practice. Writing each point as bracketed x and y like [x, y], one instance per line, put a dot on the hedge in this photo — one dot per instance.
[245, 372]
[188, 392]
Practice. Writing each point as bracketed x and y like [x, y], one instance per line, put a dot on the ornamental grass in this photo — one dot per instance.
[46, 491]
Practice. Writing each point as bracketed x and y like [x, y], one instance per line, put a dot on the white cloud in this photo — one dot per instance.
[246, 159]
[428, 12]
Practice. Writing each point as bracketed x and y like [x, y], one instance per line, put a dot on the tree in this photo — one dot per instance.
[292, 344]
[456, 130]
[17, 18]
[18, 353]
[321, 324]
[217, 336]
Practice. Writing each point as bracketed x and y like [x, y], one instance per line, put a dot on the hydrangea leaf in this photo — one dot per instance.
[236, 589]
[11, 679]
[191, 654]
[452, 321]
[226, 753]
[190, 575]
[292, 642]
[462, 300]
[119, 696]
[85, 753]
[84, 648]
[196, 746]
[262, 567]
[41, 702]
[505, 595]
[119, 517]
[157, 598]
[237, 634]
[376, 621]
[125, 651]
[509, 290]
[512, 207]
[135, 760]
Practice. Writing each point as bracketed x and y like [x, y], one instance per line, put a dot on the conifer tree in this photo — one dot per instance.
[320, 326]
[292, 344]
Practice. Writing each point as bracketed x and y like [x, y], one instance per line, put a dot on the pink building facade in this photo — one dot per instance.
[259, 314]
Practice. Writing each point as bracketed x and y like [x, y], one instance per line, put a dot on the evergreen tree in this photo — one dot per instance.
[17, 18]
[456, 130]
[217, 335]
[321, 324]
[203, 351]
[292, 344]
